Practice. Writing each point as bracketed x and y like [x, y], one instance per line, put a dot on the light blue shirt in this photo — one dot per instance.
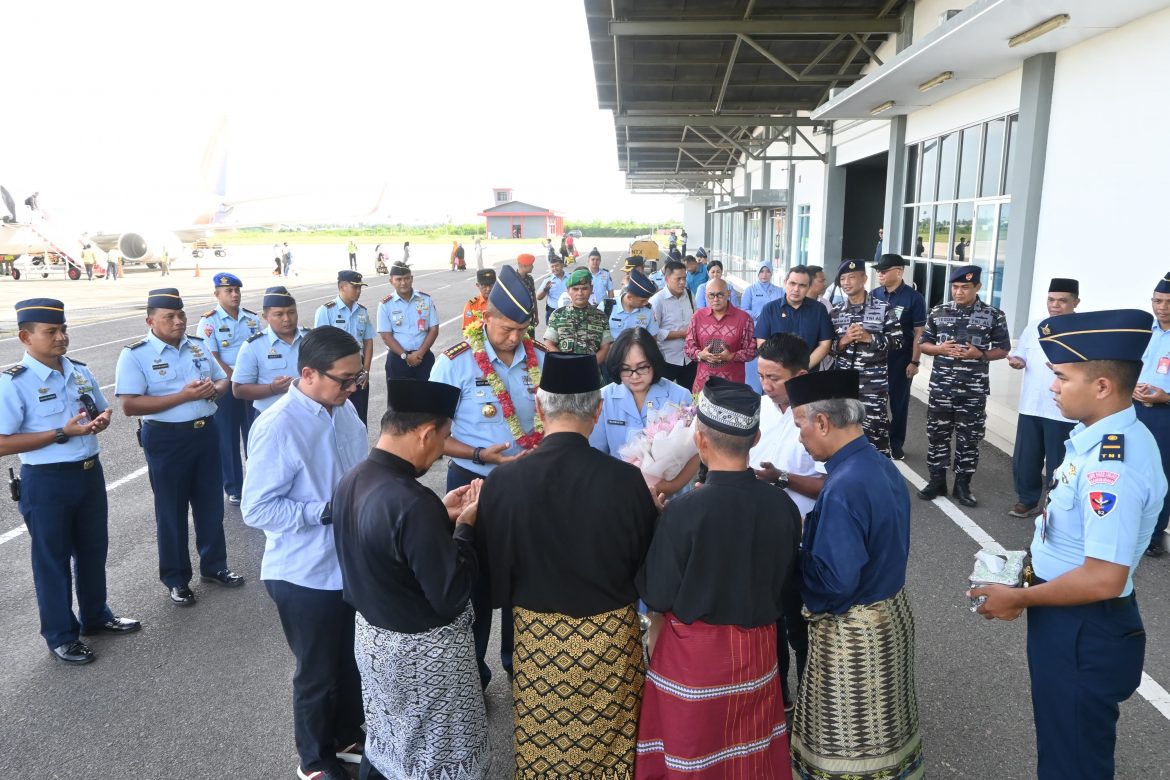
[620, 319]
[353, 320]
[407, 320]
[659, 279]
[35, 398]
[602, 286]
[620, 420]
[1103, 509]
[758, 295]
[556, 290]
[296, 456]
[1156, 360]
[263, 358]
[153, 367]
[701, 296]
[457, 367]
[224, 334]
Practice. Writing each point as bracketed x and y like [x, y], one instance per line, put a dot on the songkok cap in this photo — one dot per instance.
[1120, 334]
[701, 252]
[967, 273]
[1059, 285]
[634, 261]
[278, 296]
[510, 297]
[416, 395]
[564, 373]
[1164, 285]
[485, 276]
[579, 276]
[639, 284]
[525, 259]
[888, 261]
[729, 407]
[228, 280]
[47, 310]
[823, 386]
[353, 277]
[164, 298]
[594, 252]
[764, 264]
[400, 269]
[849, 266]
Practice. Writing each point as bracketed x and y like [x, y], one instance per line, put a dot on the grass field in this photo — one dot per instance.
[335, 237]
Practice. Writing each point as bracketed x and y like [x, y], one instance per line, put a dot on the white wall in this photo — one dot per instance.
[695, 221]
[858, 140]
[979, 103]
[926, 14]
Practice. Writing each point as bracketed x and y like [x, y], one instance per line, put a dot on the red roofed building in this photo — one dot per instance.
[510, 218]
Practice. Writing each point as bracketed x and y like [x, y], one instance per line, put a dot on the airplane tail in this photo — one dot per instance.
[213, 169]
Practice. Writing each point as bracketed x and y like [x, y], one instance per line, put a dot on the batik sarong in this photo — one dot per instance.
[425, 716]
[857, 715]
[576, 694]
[712, 707]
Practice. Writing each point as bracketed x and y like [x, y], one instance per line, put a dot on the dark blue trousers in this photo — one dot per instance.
[1157, 419]
[396, 368]
[327, 688]
[481, 600]
[64, 508]
[183, 463]
[1038, 453]
[361, 402]
[1084, 661]
[899, 396]
[233, 421]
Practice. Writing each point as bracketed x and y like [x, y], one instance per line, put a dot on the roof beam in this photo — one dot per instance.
[684, 29]
[663, 120]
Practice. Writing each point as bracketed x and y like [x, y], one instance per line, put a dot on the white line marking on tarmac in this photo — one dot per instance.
[1155, 694]
[10, 535]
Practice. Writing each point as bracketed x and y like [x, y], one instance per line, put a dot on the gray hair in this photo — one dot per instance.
[842, 412]
[581, 406]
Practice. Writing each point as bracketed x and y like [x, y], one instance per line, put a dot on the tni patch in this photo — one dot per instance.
[1101, 502]
[1113, 447]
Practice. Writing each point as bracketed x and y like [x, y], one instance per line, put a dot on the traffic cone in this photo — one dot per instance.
[197, 269]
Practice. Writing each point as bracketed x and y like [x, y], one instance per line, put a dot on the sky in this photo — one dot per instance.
[113, 105]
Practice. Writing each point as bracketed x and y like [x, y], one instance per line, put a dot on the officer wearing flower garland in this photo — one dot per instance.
[497, 370]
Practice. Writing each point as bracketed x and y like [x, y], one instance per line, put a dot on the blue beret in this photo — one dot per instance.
[278, 296]
[1164, 285]
[566, 373]
[640, 284]
[849, 266]
[164, 298]
[967, 273]
[353, 277]
[228, 280]
[510, 297]
[1120, 334]
[47, 310]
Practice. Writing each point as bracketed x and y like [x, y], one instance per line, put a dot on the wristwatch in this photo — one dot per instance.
[475, 456]
[61, 436]
[326, 517]
[403, 355]
[782, 480]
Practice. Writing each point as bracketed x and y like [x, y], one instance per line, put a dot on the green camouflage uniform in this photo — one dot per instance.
[581, 331]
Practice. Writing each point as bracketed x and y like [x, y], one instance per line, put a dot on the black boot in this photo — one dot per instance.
[963, 491]
[937, 486]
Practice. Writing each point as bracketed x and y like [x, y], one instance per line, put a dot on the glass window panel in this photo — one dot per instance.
[1001, 240]
[912, 174]
[983, 249]
[802, 234]
[779, 223]
[992, 158]
[1013, 122]
[922, 230]
[941, 243]
[961, 240]
[929, 170]
[948, 157]
[906, 244]
[751, 251]
[939, 272]
[737, 243]
[920, 272]
[969, 162]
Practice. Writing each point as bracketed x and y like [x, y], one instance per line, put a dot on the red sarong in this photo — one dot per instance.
[712, 706]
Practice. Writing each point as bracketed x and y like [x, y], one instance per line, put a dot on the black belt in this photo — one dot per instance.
[74, 465]
[189, 424]
[1117, 602]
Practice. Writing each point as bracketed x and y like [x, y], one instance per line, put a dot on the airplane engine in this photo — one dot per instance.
[143, 248]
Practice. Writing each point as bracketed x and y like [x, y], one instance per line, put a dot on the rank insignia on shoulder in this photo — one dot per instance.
[247, 311]
[387, 298]
[331, 304]
[208, 313]
[76, 362]
[136, 344]
[253, 337]
[193, 337]
[540, 347]
[1113, 447]
[423, 294]
[16, 370]
[457, 350]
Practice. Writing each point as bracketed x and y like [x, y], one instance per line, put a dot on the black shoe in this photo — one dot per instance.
[233, 499]
[937, 486]
[225, 578]
[182, 596]
[962, 492]
[1156, 550]
[896, 453]
[114, 625]
[76, 653]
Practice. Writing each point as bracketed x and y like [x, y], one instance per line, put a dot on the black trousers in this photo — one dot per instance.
[899, 397]
[396, 368]
[683, 376]
[1039, 451]
[327, 689]
[361, 402]
[481, 600]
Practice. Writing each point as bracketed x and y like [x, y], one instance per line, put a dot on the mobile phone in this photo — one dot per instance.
[90, 407]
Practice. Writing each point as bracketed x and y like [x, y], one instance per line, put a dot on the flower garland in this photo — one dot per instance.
[474, 333]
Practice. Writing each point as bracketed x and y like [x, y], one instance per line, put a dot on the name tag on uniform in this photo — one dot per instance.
[481, 382]
[275, 356]
[224, 329]
[340, 321]
[1164, 365]
[48, 397]
[615, 422]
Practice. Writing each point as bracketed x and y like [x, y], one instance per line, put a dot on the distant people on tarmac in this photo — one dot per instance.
[288, 260]
[278, 258]
[352, 249]
[164, 262]
[87, 260]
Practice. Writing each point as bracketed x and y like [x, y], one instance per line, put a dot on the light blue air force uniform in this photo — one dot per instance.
[224, 334]
[263, 358]
[153, 367]
[456, 366]
[407, 320]
[602, 286]
[620, 420]
[558, 288]
[35, 398]
[1105, 501]
[620, 319]
[355, 321]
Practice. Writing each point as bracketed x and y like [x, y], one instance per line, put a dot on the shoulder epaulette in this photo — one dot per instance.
[303, 329]
[136, 344]
[387, 298]
[420, 292]
[1113, 447]
[473, 299]
[539, 346]
[361, 306]
[20, 367]
[76, 362]
[207, 313]
[331, 304]
[248, 311]
[253, 337]
[457, 350]
[194, 338]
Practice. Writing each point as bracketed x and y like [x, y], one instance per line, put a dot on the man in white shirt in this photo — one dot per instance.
[1041, 429]
[673, 309]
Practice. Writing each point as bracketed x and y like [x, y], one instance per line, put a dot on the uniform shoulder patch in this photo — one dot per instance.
[207, 313]
[136, 344]
[457, 350]
[253, 337]
[331, 304]
[387, 298]
[1112, 447]
[76, 362]
[361, 306]
[423, 294]
[16, 370]
[247, 311]
[540, 347]
[194, 338]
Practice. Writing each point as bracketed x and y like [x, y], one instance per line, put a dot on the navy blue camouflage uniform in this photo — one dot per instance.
[870, 359]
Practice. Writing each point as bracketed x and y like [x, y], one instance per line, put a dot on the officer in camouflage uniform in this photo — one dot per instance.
[579, 328]
[963, 335]
[866, 331]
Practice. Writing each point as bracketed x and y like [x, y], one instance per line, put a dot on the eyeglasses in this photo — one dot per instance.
[716, 295]
[641, 370]
[346, 384]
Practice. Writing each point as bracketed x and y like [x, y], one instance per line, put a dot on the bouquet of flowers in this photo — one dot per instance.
[664, 446]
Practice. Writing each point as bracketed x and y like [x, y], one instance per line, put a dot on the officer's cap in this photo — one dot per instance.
[510, 297]
[729, 407]
[485, 276]
[888, 261]
[164, 298]
[579, 276]
[1059, 285]
[564, 373]
[701, 252]
[47, 310]
[634, 261]
[400, 269]
[640, 284]
[353, 277]
[278, 296]
[1120, 334]
[420, 396]
[849, 266]
[228, 280]
[525, 259]
[967, 274]
[823, 386]
[595, 253]
[1164, 285]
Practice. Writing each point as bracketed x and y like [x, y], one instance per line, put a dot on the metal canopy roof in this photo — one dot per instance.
[699, 86]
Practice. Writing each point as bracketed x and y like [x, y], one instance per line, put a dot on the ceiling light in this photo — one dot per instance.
[941, 78]
[883, 107]
[1032, 33]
